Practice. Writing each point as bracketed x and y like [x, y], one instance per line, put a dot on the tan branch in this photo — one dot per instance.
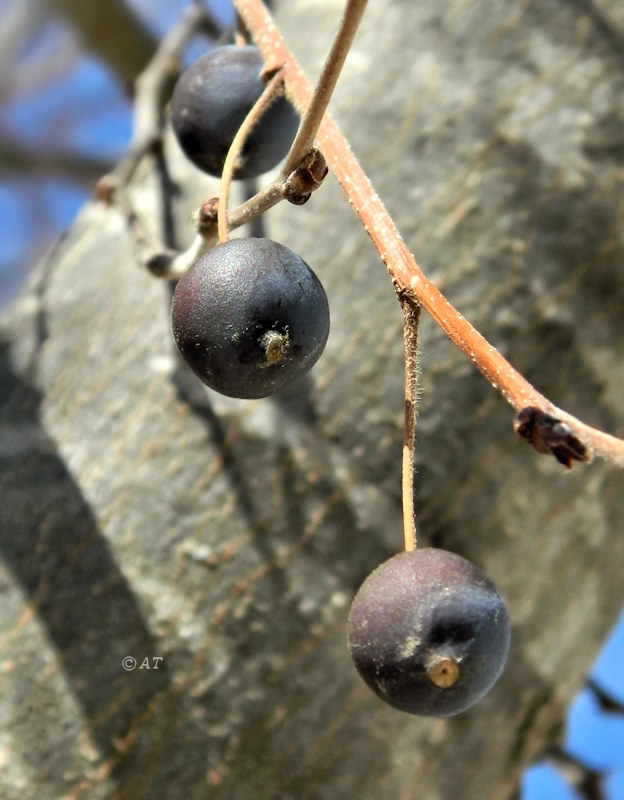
[406, 274]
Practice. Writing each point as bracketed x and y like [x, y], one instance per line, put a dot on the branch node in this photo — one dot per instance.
[306, 178]
[106, 189]
[159, 264]
[550, 435]
[206, 216]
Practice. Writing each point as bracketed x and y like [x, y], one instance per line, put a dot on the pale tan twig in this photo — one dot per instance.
[312, 116]
[301, 149]
[269, 93]
[151, 85]
[411, 315]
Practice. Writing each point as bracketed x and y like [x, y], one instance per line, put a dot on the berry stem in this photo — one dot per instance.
[411, 316]
[408, 277]
[269, 93]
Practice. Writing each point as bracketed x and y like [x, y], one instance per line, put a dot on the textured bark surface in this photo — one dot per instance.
[144, 517]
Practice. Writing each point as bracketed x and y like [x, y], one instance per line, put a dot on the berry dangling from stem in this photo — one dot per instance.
[209, 103]
[428, 632]
[250, 317]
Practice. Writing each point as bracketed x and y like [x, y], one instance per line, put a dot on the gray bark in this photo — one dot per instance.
[145, 517]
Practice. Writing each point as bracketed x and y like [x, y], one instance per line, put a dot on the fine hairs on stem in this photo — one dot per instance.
[411, 316]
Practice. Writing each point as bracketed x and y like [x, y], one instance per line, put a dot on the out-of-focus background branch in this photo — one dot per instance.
[18, 161]
[110, 30]
[67, 74]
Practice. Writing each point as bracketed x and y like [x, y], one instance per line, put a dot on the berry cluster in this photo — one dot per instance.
[250, 316]
[427, 631]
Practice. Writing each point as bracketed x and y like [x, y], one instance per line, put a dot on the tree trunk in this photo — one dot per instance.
[219, 542]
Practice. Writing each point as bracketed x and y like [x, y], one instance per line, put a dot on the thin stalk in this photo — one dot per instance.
[269, 94]
[411, 316]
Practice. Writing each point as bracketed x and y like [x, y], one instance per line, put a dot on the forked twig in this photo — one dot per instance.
[269, 93]
[304, 166]
[150, 88]
[148, 127]
[302, 153]
[408, 278]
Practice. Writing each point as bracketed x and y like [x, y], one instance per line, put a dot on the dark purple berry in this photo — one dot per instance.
[210, 101]
[249, 317]
[428, 632]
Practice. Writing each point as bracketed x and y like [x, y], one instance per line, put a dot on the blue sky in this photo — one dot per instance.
[594, 737]
[79, 107]
[76, 106]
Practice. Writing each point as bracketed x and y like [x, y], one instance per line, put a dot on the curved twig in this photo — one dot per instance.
[406, 274]
[266, 98]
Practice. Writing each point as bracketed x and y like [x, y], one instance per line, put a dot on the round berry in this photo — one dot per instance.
[209, 103]
[249, 317]
[428, 632]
